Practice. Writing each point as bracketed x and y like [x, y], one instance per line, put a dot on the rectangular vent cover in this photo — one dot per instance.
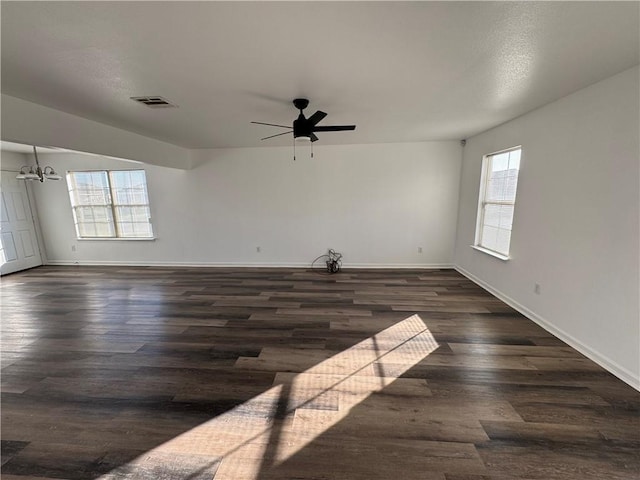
[154, 102]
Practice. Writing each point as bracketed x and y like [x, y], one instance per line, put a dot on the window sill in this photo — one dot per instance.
[121, 239]
[500, 256]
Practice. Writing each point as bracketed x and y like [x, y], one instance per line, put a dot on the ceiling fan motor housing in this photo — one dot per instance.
[301, 127]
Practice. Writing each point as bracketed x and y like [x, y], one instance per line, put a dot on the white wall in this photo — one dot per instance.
[13, 161]
[33, 124]
[576, 222]
[376, 204]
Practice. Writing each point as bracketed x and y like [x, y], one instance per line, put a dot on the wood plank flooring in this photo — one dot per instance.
[263, 374]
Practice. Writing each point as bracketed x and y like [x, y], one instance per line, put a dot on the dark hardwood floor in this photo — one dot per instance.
[264, 374]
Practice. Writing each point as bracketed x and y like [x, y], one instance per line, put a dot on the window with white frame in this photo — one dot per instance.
[110, 204]
[499, 182]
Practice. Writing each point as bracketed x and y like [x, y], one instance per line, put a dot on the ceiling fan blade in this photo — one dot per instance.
[316, 117]
[277, 135]
[313, 138]
[272, 124]
[334, 128]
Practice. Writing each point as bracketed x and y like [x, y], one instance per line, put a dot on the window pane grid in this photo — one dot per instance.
[496, 208]
[110, 204]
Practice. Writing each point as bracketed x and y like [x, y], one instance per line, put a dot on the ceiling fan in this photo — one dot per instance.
[304, 128]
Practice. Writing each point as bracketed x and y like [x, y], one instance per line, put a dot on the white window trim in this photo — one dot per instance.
[491, 252]
[484, 180]
[112, 239]
[116, 239]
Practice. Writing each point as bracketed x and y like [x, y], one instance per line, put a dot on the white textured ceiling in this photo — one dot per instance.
[401, 71]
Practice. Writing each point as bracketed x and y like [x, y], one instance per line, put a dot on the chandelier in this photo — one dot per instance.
[37, 173]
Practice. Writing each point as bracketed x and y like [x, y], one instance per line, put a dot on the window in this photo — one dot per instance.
[110, 204]
[497, 199]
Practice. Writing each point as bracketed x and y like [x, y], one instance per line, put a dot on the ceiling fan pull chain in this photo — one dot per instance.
[312, 150]
[294, 149]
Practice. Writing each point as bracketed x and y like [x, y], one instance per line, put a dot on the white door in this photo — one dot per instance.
[18, 244]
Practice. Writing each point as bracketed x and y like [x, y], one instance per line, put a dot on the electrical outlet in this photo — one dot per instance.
[258, 249]
[419, 249]
[73, 248]
[536, 288]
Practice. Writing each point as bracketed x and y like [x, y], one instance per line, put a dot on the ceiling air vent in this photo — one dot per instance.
[154, 102]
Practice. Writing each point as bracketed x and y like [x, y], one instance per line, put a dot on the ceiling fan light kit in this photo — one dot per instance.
[303, 128]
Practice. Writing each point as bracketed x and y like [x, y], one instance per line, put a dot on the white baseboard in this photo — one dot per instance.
[115, 263]
[426, 266]
[613, 367]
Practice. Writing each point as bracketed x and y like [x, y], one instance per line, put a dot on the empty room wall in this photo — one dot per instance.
[376, 204]
[575, 230]
[13, 161]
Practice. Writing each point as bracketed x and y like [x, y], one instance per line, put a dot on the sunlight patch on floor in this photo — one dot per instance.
[271, 427]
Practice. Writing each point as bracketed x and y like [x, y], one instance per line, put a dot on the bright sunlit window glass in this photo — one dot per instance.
[497, 200]
[110, 204]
